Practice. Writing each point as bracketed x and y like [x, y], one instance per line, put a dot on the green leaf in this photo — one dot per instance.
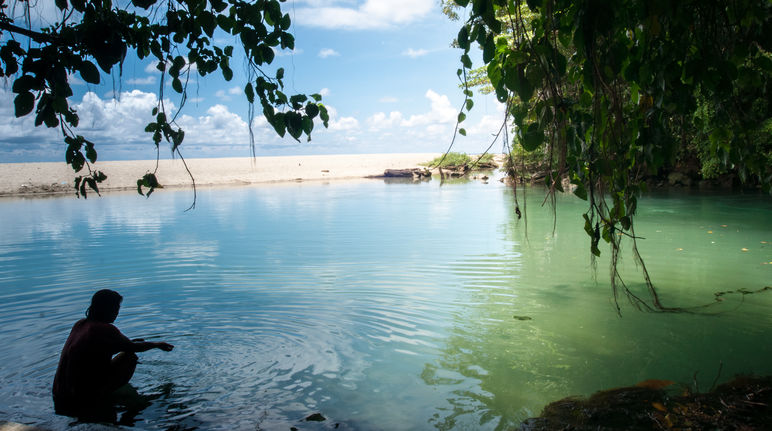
[61, 4]
[461, 117]
[250, 92]
[533, 137]
[91, 153]
[489, 49]
[324, 115]
[462, 131]
[308, 126]
[580, 191]
[227, 73]
[466, 61]
[23, 104]
[286, 22]
[312, 110]
[177, 85]
[463, 38]
[24, 84]
[144, 4]
[294, 124]
[89, 72]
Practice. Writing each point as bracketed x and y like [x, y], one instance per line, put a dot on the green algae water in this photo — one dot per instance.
[377, 305]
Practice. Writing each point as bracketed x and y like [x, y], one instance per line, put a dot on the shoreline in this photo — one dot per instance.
[47, 178]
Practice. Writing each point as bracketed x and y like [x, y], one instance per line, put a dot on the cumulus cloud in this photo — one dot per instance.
[324, 92]
[366, 15]
[434, 124]
[338, 123]
[218, 127]
[328, 52]
[225, 95]
[148, 80]
[441, 112]
[286, 52]
[414, 53]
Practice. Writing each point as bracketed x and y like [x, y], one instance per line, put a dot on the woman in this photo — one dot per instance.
[96, 360]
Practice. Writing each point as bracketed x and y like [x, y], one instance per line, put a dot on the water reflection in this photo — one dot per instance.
[381, 306]
[539, 324]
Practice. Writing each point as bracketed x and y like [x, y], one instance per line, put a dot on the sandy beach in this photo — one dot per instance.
[57, 177]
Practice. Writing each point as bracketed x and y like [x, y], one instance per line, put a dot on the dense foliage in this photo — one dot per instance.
[612, 92]
[178, 34]
[460, 160]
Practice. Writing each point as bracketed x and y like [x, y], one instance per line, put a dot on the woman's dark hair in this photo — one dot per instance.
[104, 306]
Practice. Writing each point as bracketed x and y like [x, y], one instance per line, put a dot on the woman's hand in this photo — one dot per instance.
[166, 347]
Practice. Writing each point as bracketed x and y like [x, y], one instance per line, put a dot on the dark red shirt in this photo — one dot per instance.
[83, 374]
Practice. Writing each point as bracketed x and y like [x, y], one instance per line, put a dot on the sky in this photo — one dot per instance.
[385, 68]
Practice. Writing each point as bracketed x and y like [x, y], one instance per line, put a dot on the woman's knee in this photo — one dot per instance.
[123, 366]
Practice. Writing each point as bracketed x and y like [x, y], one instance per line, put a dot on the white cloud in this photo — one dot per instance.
[148, 80]
[348, 124]
[328, 52]
[121, 119]
[441, 112]
[415, 53]
[152, 67]
[344, 123]
[218, 127]
[74, 80]
[225, 95]
[286, 52]
[435, 124]
[368, 15]
[380, 120]
[324, 92]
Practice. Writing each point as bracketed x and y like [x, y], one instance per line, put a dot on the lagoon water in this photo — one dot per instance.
[386, 306]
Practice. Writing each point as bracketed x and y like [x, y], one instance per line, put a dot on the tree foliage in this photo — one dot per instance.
[611, 92]
[179, 35]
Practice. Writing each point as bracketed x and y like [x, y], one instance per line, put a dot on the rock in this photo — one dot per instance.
[407, 173]
[679, 179]
[316, 417]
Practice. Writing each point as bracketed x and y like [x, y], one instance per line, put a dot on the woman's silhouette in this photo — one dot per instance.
[96, 360]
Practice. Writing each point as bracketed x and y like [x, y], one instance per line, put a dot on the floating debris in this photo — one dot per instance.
[522, 317]
[316, 417]
[679, 249]
[744, 249]
[654, 384]
[710, 231]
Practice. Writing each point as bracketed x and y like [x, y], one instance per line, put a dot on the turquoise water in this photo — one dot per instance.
[380, 306]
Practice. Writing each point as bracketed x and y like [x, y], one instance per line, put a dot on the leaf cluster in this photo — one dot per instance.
[94, 37]
[610, 92]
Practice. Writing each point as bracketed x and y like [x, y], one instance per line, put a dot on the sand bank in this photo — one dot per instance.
[57, 177]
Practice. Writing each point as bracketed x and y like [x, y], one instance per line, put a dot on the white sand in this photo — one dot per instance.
[57, 177]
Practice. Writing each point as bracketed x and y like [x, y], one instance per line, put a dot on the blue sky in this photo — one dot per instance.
[385, 68]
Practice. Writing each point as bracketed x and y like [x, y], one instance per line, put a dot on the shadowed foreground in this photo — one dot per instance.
[741, 404]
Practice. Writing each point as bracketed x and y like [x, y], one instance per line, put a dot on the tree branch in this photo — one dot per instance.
[34, 35]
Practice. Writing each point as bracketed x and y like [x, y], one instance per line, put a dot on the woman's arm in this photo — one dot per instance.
[140, 345]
